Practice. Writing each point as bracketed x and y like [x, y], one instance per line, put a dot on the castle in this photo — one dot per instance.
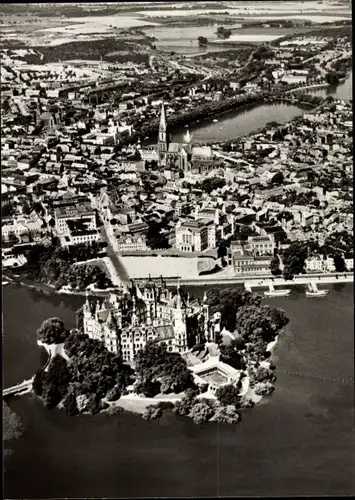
[126, 322]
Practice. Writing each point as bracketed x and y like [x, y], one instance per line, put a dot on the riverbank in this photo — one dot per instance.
[263, 281]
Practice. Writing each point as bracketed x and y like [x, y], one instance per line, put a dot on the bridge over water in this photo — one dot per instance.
[19, 388]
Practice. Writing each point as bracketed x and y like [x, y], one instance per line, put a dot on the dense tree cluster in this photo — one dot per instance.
[293, 259]
[275, 266]
[223, 33]
[94, 367]
[52, 385]
[259, 323]
[211, 183]
[52, 331]
[155, 238]
[158, 370]
[92, 374]
[55, 265]
[228, 301]
[202, 41]
[231, 355]
[204, 410]
[228, 395]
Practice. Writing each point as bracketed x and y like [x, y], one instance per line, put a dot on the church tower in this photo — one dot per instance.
[162, 138]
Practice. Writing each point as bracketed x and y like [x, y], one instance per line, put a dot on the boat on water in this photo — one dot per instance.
[277, 293]
[215, 120]
[314, 292]
[5, 283]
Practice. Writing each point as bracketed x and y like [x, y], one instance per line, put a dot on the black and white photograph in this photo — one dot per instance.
[177, 249]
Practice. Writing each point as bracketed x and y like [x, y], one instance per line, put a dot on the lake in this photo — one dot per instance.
[300, 441]
[183, 40]
[342, 91]
[233, 124]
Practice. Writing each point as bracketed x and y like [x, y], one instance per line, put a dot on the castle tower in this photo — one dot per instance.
[206, 317]
[180, 330]
[162, 138]
[134, 319]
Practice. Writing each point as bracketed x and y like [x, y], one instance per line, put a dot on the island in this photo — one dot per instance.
[221, 367]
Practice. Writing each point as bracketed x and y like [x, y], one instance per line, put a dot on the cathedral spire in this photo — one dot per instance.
[162, 125]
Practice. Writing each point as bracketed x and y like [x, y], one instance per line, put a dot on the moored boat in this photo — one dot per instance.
[314, 292]
[277, 293]
[5, 283]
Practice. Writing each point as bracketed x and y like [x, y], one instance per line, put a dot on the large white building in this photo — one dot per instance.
[126, 322]
[192, 236]
[82, 214]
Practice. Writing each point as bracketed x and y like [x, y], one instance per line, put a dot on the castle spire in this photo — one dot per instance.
[178, 296]
[187, 137]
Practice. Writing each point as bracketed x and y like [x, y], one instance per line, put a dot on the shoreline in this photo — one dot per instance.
[302, 279]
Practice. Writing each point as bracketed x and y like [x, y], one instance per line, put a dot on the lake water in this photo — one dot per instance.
[342, 91]
[236, 123]
[183, 40]
[300, 441]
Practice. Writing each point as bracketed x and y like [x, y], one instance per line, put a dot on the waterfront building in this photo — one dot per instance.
[214, 374]
[149, 311]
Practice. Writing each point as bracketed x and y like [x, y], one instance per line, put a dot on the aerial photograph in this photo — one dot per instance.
[177, 249]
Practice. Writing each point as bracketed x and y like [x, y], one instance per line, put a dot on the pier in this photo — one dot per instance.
[18, 389]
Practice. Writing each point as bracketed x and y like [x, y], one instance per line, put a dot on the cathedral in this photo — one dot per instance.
[183, 155]
[172, 153]
[126, 322]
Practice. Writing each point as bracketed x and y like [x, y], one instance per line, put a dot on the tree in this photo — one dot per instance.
[52, 331]
[222, 249]
[339, 263]
[332, 77]
[263, 389]
[202, 41]
[201, 412]
[230, 353]
[79, 316]
[70, 405]
[152, 412]
[228, 395]
[225, 415]
[275, 266]
[157, 369]
[278, 179]
[183, 407]
[287, 273]
[113, 394]
[147, 387]
[223, 33]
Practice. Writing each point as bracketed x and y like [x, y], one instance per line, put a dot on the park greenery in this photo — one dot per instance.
[86, 377]
[80, 383]
[160, 371]
[56, 266]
